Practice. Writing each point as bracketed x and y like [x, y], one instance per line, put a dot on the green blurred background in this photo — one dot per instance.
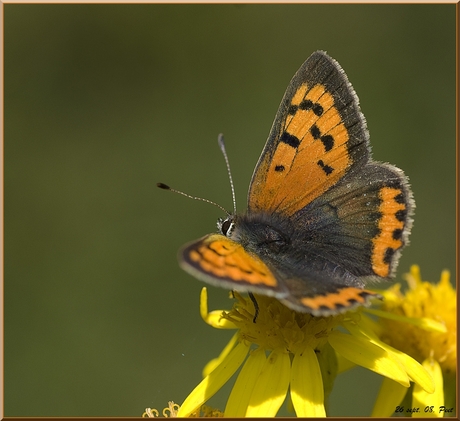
[103, 101]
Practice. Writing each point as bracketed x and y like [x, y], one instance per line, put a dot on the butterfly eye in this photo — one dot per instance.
[226, 226]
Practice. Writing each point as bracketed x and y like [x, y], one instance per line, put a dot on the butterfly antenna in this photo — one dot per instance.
[166, 187]
[221, 142]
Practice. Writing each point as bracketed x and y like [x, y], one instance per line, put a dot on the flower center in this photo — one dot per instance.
[277, 326]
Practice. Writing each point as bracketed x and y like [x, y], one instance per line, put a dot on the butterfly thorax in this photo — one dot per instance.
[262, 234]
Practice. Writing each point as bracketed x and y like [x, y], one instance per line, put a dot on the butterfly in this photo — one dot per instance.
[323, 219]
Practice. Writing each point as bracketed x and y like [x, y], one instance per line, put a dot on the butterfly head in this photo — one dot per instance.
[226, 226]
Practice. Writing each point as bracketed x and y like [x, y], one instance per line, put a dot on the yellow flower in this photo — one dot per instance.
[421, 323]
[171, 412]
[284, 351]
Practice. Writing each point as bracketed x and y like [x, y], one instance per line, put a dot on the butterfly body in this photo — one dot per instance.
[323, 218]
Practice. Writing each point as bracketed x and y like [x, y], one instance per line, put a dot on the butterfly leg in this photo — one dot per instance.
[256, 306]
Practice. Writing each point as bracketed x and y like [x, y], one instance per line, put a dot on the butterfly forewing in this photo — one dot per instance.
[219, 260]
[319, 133]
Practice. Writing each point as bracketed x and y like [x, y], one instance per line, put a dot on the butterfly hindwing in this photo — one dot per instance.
[361, 224]
[319, 300]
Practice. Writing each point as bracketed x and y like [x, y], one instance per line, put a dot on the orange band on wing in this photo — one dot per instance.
[342, 298]
[219, 256]
[391, 225]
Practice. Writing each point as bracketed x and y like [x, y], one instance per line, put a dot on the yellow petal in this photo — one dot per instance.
[413, 368]
[214, 381]
[390, 396]
[364, 353]
[271, 387]
[416, 371]
[238, 400]
[211, 365]
[369, 324]
[343, 364]
[214, 318]
[425, 323]
[329, 365]
[307, 392]
[430, 404]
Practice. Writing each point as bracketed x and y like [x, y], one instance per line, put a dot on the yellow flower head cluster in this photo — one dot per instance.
[423, 300]
[422, 323]
[282, 352]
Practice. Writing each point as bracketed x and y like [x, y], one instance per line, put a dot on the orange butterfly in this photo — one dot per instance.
[323, 218]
